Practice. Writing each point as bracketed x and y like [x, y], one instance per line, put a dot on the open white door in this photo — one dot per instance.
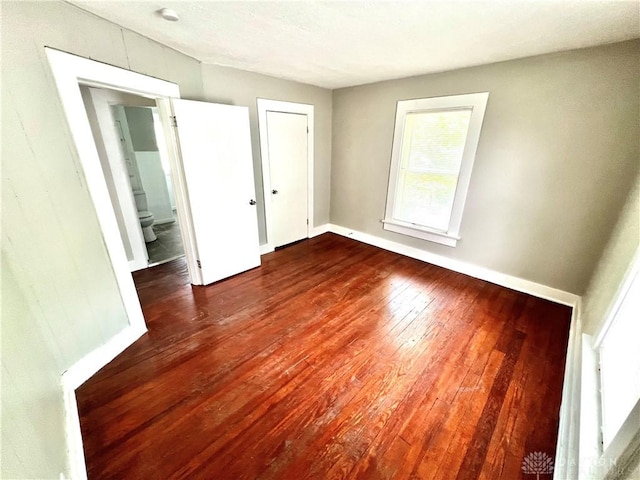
[214, 142]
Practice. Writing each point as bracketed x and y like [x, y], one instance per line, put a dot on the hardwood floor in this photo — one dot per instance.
[335, 359]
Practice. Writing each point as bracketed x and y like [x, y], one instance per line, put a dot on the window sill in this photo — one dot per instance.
[422, 233]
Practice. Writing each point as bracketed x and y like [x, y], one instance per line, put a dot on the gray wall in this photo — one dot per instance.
[237, 87]
[60, 297]
[557, 157]
[616, 259]
[603, 288]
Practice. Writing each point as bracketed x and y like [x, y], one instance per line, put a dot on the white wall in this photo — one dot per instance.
[154, 183]
[60, 297]
[557, 156]
[139, 122]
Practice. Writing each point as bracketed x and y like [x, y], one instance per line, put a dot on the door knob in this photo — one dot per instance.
[275, 192]
[252, 202]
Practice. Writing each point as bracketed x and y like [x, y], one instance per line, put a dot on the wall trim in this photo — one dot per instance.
[266, 248]
[568, 444]
[319, 230]
[77, 467]
[482, 273]
[89, 365]
[632, 271]
[313, 232]
[69, 71]
[75, 376]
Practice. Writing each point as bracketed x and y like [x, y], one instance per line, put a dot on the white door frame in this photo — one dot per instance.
[69, 71]
[265, 106]
[102, 101]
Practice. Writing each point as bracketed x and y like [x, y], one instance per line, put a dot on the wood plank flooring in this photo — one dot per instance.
[335, 359]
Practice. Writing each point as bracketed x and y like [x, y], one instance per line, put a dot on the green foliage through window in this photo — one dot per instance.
[431, 157]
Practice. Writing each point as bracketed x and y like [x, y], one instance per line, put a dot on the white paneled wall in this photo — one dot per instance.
[60, 297]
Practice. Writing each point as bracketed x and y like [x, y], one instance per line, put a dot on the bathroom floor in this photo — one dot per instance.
[168, 246]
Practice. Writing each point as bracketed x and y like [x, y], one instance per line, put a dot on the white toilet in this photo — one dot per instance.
[145, 216]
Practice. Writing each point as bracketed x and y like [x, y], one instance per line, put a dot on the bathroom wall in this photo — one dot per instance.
[142, 136]
[60, 298]
[154, 183]
[140, 123]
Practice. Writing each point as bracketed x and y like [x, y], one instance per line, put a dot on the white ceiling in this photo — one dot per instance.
[339, 44]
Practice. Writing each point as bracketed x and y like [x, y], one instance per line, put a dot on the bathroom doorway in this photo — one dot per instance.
[134, 158]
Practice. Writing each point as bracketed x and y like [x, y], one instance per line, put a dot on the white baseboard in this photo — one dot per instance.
[568, 445]
[319, 230]
[88, 365]
[482, 273]
[75, 451]
[79, 373]
[266, 248]
[313, 232]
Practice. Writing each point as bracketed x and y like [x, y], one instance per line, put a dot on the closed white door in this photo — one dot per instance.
[215, 147]
[287, 142]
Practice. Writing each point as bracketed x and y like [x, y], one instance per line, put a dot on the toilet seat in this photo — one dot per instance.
[144, 215]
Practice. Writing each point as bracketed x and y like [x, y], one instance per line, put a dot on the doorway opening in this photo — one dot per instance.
[69, 73]
[134, 159]
[211, 131]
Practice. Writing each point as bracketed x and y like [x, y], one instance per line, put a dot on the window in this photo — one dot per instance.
[610, 386]
[619, 354]
[619, 366]
[434, 147]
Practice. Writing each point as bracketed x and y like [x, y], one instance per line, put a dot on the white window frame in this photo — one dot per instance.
[477, 102]
[597, 462]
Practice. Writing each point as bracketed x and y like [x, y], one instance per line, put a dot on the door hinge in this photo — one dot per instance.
[307, 129]
[199, 264]
[174, 121]
[307, 221]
